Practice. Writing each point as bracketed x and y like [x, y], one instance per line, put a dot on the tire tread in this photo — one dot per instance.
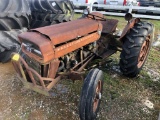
[131, 48]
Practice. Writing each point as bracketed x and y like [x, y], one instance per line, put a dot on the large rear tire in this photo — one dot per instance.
[136, 46]
[14, 14]
[47, 12]
[9, 43]
[14, 19]
[91, 95]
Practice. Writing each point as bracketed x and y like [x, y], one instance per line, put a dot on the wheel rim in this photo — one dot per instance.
[97, 95]
[143, 52]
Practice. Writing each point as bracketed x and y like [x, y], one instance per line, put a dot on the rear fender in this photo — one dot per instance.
[130, 25]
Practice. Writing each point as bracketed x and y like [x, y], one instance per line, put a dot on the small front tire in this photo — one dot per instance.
[91, 95]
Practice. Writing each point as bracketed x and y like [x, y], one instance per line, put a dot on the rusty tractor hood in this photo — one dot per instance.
[57, 40]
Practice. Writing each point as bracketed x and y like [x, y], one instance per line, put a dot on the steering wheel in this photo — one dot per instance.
[95, 17]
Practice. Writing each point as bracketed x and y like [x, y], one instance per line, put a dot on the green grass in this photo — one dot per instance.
[154, 56]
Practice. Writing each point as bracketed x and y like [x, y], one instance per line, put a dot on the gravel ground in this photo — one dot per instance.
[17, 103]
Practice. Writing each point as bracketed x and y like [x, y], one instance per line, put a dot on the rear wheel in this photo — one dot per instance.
[14, 19]
[14, 14]
[9, 43]
[136, 47]
[46, 12]
[91, 95]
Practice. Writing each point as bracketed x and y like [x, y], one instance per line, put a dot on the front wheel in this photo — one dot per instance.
[136, 46]
[91, 95]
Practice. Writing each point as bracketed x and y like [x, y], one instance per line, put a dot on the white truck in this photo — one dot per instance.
[122, 2]
[78, 2]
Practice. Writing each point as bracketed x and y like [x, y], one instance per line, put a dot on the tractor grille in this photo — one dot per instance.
[33, 64]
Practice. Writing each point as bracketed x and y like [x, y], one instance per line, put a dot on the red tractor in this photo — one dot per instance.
[52, 53]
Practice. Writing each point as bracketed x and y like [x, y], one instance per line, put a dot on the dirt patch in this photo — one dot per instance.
[20, 104]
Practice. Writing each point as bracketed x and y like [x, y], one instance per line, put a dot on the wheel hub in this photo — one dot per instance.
[143, 52]
[98, 95]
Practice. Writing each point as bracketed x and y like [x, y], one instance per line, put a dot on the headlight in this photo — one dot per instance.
[29, 47]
